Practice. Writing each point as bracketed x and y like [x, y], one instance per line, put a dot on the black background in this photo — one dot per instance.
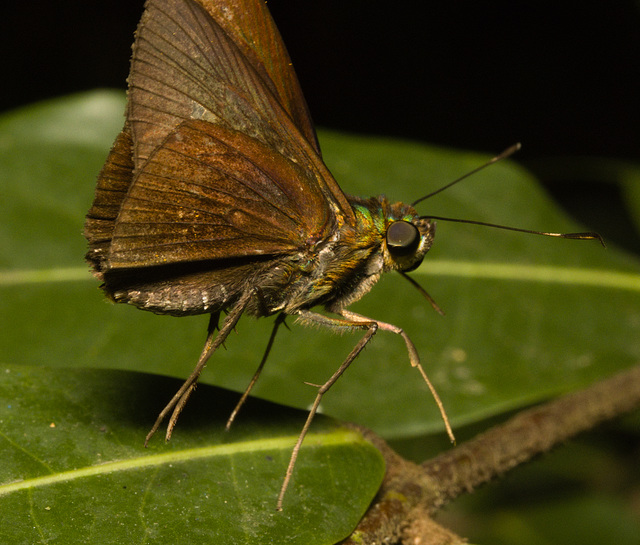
[561, 77]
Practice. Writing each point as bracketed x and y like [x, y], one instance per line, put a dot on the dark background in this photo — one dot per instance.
[561, 77]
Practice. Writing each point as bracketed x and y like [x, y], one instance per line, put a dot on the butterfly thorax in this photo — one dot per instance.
[341, 269]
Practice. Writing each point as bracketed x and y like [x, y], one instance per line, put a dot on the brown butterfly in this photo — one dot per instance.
[215, 198]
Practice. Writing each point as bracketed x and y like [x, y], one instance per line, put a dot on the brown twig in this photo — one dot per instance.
[411, 493]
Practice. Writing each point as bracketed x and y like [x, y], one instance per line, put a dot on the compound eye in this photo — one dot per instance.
[403, 238]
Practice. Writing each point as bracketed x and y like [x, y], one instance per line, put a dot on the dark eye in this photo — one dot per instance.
[403, 238]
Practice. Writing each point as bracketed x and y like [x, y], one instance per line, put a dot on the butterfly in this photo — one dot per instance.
[215, 198]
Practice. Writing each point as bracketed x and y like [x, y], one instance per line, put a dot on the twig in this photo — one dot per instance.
[411, 493]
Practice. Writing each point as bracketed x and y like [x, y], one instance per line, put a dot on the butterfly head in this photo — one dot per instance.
[406, 237]
[407, 242]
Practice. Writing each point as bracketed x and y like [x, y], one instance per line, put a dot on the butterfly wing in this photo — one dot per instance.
[221, 64]
[252, 29]
[199, 61]
[210, 193]
[113, 184]
[220, 61]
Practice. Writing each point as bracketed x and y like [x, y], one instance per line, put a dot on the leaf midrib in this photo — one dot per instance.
[284, 443]
[602, 278]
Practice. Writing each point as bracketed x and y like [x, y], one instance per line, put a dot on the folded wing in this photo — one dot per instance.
[214, 74]
[210, 193]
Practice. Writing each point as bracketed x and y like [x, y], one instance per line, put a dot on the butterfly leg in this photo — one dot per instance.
[351, 320]
[414, 359]
[179, 400]
[279, 321]
[335, 323]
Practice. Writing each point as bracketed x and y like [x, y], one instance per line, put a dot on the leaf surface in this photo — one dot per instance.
[526, 317]
[74, 469]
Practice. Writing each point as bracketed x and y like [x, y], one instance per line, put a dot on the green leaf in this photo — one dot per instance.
[74, 469]
[526, 317]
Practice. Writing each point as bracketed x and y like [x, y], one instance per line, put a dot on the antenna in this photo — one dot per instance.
[506, 153]
[591, 235]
